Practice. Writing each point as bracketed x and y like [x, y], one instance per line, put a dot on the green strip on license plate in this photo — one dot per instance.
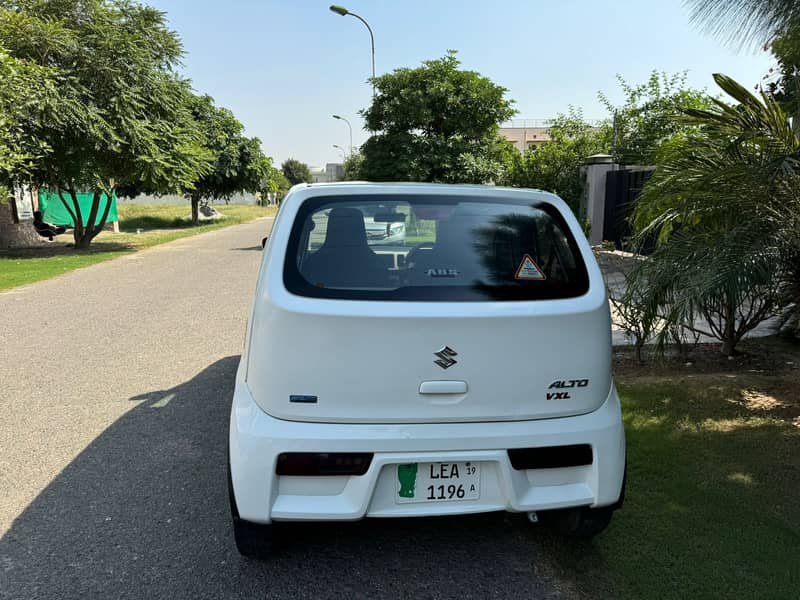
[438, 482]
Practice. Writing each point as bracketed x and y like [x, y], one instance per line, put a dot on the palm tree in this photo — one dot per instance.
[724, 205]
[775, 24]
[745, 22]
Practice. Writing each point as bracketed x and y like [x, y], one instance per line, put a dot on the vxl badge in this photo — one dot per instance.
[561, 384]
[445, 357]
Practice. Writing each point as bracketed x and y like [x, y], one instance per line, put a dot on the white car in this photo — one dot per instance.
[380, 233]
[468, 370]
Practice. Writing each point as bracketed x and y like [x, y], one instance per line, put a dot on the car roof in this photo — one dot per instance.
[414, 184]
[404, 187]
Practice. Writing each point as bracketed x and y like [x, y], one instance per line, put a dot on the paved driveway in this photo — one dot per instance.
[114, 402]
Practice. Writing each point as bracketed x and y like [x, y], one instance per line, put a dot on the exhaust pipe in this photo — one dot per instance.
[533, 517]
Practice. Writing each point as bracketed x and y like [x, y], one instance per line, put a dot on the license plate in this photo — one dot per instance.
[438, 482]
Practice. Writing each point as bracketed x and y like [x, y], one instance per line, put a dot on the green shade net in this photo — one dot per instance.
[54, 212]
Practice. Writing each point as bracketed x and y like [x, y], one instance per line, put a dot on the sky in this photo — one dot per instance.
[285, 66]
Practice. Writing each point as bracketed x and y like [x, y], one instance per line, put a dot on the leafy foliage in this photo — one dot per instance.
[647, 119]
[122, 115]
[275, 183]
[352, 167]
[555, 166]
[725, 207]
[296, 171]
[435, 123]
[27, 91]
[642, 128]
[238, 164]
[745, 22]
[773, 23]
[784, 83]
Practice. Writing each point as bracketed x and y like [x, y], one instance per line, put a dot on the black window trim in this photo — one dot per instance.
[296, 284]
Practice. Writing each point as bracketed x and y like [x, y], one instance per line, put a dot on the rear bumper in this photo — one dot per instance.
[256, 440]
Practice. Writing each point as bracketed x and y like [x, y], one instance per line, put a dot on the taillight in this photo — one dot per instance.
[551, 457]
[323, 463]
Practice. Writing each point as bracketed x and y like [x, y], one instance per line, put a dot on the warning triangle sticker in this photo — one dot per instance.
[529, 270]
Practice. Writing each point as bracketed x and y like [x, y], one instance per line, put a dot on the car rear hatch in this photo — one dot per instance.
[486, 312]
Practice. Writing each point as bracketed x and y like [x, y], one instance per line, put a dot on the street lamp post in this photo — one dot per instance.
[340, 149]
[341, 10]
[350, 127]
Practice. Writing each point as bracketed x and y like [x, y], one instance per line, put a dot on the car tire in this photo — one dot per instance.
[581, 522]
[253, 540]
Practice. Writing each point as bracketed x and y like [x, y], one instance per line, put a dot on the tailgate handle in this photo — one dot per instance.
[443, 387]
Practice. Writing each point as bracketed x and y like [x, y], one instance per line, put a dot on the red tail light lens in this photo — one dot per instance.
[551, 457]
[323, 463]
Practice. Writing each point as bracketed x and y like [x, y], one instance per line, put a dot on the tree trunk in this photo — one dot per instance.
[728, 345]
[106, 210]
[638, 351]
[195, 210]
[75, 220]
[83, 235]
[729, 332]
[78, 232]
[82, 242]
[796, 112]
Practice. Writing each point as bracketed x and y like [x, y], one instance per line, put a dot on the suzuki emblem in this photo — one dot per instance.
[446, 355]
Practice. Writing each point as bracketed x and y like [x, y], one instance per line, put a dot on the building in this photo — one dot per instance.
[330, 172]
[335, 171]
[526, 133]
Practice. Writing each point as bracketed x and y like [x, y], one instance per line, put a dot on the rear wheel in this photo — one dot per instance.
[252, 539]
[581, 522]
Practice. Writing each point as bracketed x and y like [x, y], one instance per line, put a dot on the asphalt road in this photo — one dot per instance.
[115, 391]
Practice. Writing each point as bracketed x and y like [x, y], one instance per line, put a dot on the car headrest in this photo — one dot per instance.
[346, 228]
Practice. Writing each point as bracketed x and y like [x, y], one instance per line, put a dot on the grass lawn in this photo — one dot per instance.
[158, 224]
[713, 500]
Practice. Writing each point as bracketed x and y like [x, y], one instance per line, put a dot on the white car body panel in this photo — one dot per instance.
[256, 439]
[366, 361]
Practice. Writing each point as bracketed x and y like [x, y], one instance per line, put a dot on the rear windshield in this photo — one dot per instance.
[432, 248]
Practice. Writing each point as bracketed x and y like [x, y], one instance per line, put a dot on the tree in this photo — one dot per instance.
[783, 83]
[555, 166]
[275, 183]
[238, 164]
[296, 171]
[352, 167]
[635, 133]
[123, 115]
[724, 204]
[435, 123]
[775, 24]
[27, 91]
[647, 119]
[745, 22]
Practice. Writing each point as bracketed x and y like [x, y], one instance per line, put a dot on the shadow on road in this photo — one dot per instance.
[62, 246]
[258, 248]
[142, 512]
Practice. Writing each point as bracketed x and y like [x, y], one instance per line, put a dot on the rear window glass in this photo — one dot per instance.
[432, 248]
